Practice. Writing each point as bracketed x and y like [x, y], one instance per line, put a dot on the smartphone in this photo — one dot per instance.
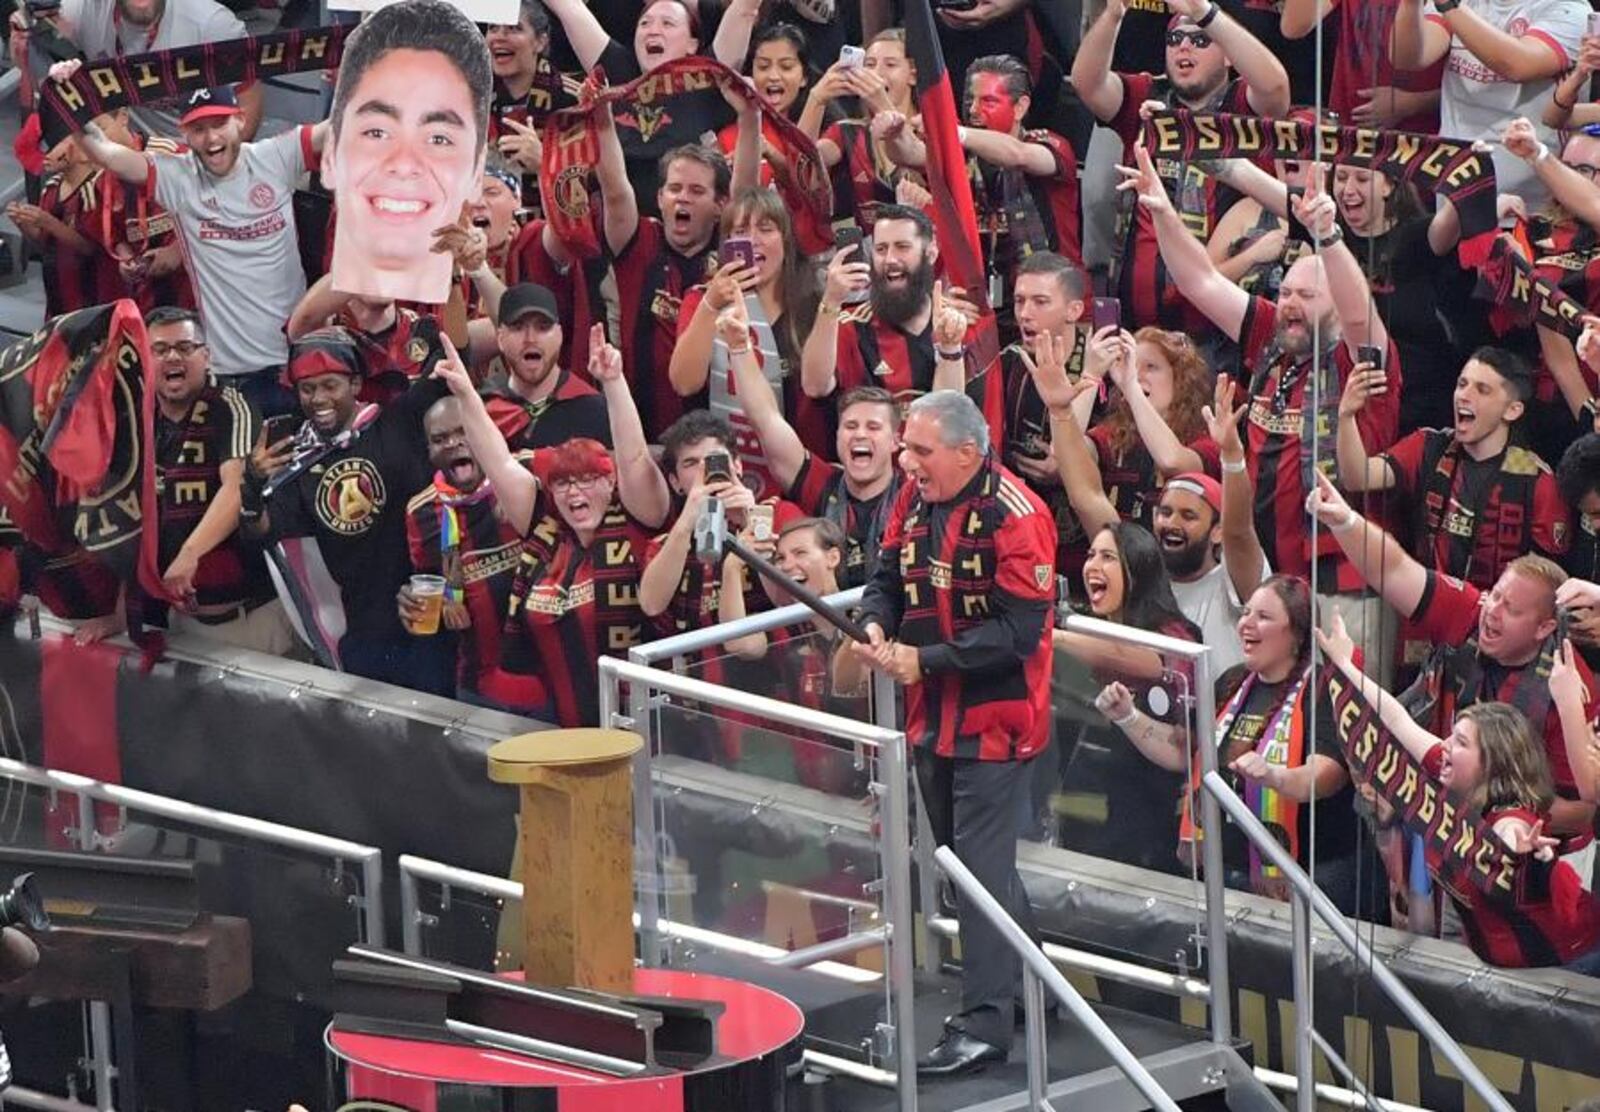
[849, 235]
[1106, 312]
[852, 57]
[737, 249]
[760, 518]
[956, 5]
[281, 427]
[1563, 619]
[1370, 353]
[1594, 23]
[718, 468]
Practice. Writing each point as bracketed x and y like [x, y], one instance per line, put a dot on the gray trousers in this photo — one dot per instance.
[978, 809]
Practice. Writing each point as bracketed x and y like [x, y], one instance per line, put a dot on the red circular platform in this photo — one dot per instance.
[414, 1074]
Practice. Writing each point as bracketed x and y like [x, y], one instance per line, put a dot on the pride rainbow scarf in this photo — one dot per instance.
[1282, 743]
[452, 503]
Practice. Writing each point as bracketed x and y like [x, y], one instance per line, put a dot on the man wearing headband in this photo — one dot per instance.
[342, 478]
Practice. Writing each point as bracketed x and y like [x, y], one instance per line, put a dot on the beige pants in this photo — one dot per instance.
[265, 629]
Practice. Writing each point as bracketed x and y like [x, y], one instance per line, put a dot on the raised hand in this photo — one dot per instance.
[1336, 644]
[1222, 419]
[453, 371]
[1146, 185]
[847, 274]
[605, 361]
[1521, 139]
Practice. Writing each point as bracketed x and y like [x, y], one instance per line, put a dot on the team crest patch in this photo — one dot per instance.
[1558, 532]
[571, 191]
[263, 196]
[417, 349]
[1041, 575]
[350, 496]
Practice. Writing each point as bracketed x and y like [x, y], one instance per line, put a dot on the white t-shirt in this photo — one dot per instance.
[1477, 103]
[238, 240]
[1211, 603]
[99, 34]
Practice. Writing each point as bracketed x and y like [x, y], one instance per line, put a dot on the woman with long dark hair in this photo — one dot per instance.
[1264, 739]
[779, 297]
[1126, 582]
[779, 72]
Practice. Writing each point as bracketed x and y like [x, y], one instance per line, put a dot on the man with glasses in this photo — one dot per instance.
[535, 401]
[203, 435]
[1202, 43]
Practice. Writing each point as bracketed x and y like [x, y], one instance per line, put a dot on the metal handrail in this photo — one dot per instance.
[1316, 901]
[813, 958]
[370, 858]
[979, 898]
[1205, 719]
[757, 706]
[709, 637]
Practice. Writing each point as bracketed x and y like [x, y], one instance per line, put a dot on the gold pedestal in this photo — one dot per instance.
[577, 854]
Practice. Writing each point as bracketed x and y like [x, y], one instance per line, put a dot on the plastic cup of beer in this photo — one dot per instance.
[428, 591]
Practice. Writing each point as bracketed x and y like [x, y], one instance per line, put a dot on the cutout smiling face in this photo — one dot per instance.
[407, 155]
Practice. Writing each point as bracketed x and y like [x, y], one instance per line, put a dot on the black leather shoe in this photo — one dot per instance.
[958, 1053]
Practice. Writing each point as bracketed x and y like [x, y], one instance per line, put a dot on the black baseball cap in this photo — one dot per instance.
[208, 102]
[525, 298]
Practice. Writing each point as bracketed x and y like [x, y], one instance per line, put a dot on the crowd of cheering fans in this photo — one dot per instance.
[1258, 403]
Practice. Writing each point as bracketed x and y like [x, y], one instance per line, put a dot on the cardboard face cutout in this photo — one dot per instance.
[407, 150]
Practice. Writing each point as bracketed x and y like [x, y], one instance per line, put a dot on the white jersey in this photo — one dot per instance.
[96, 30]
[238, 239]
[1477, 103]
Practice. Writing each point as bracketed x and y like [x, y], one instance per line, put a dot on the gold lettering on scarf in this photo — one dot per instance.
[105, 82]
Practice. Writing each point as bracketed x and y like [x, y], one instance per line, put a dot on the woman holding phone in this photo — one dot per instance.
[770, 286]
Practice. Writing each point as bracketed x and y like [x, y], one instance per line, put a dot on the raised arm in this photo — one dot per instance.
[1357, 470]
[1170, 455]
[819, 359]
[515, 488]
[1298, 18]
[1339, 650]
[1266, 190]
[640, 484]
[1576, 193]
[1416, 43]
[1359, 322]
[1163, 744]
[747, 145]
[320, 304]
[1093, 79]
[1263, 73]
[732, 40]
[584, 34]
[1242, 555]
[1529, 56]
[784, 451]
[619, 213]
[127, 164]
[1381, 561]
[1187, 262]
[690, 365]
[1570, 695]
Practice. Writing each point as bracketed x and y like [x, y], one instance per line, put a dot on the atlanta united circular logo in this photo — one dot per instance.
[571, 191]
[350, 497]
[263, 196]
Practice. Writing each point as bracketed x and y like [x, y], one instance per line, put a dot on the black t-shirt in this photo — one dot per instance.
[353, 502]
[1425, 301]
[649, 128]
[1336, 816]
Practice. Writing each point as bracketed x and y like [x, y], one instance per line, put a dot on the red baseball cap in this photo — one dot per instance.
[1195, 482]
